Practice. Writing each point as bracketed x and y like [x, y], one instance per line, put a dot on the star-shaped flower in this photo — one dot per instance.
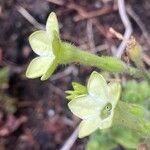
[47, 45]
[96, 108]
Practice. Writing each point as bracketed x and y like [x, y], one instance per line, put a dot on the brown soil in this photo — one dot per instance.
[48, 121]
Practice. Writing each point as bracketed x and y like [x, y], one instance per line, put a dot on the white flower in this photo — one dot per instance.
[96, 108]
[47, 45]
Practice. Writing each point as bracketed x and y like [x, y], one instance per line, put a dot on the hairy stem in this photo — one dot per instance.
[73, 54]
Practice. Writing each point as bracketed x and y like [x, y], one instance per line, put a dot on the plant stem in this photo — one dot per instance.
[73, 54]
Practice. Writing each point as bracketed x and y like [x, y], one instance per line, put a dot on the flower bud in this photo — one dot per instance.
[134, 51]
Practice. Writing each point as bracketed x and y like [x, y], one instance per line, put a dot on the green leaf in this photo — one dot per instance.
[133, 117]
[52, 24]
[39, 66]
[135, 92]
[40, 43]
[101, 140]
[126, 138]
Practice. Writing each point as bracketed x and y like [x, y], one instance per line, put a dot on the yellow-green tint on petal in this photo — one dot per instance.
[50, 70]
[88, 126]
[106, 111]
[106, 123]
[56, 43]
[114, 90]
[97, 85]
[52, 24]
[106, 116]
[40, 43]
[38, 66]
[84, 107]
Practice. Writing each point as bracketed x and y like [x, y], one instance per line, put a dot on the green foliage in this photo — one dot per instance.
[133, 117]
[135, 92]
[101, 140]
[112, 138]
[126, 137]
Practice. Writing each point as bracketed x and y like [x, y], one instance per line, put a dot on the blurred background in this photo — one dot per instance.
[34, 114]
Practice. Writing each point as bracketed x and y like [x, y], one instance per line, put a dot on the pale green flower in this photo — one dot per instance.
[47, 45]
[96, 108]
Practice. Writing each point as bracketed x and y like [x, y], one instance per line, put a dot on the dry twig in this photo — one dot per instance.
[57, 90]
[90, 36]
[69, 143]
[137, 19]
[127, 25]
[146, 59]
[57, 2]
[30, 18]
[83, 14]
[71, 69]
[116, 34]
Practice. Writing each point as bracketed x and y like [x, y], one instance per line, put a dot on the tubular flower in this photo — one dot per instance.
[47, 45]
[96, 108]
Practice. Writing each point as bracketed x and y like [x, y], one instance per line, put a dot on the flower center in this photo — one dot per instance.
[106, 111]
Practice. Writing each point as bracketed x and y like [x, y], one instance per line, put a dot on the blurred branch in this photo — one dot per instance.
[57, 2]
[137, 19]
[69, 70]
[82, 13]
[127, 25]
[30, 18]
[90, 35]
[71, 140]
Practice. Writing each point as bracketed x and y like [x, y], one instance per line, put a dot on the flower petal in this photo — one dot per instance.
[97, 85]
[50, 71]
[84, 107]
[40, 43]
[52, 24]
[114, 92]
[107, 123]
[88, 126]
[38, 66]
